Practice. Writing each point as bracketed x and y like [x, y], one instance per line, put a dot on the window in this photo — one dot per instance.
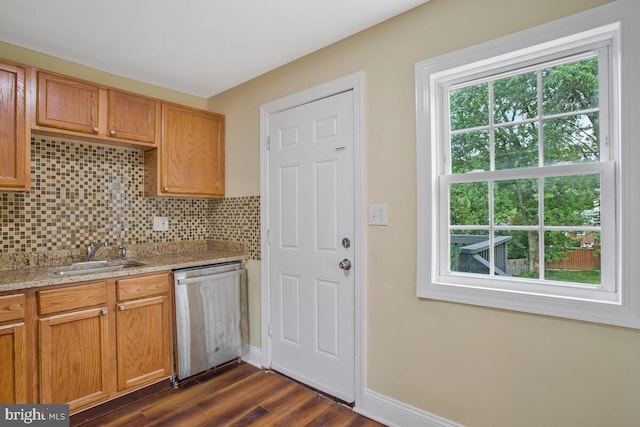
[518, 157]
[526, 158]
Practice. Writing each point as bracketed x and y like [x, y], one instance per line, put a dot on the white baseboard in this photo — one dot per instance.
[377, 406]
[253, 356]
[395, 413]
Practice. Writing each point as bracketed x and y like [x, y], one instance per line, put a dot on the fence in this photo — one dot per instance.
[578, 259]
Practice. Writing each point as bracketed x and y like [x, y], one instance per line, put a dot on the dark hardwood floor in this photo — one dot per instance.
[235, 395]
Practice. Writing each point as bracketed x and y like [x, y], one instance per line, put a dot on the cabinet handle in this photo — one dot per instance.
[165, 189]
[104, 311]
[96, 130]
[121, 307]
[112, 132]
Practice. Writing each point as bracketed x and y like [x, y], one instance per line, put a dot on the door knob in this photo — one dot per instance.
[345, 264]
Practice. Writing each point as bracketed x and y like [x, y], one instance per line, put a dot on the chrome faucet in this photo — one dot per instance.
[122, 251]
[93, 248]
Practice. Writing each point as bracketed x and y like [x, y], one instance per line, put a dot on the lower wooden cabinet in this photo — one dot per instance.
[13, 366]
[73, 343]
[99, 340]
[74, 355]
[13, 374]
[143, 324]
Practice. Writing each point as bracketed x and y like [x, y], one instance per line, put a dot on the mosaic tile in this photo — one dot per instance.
[238, 219]
[83, 193]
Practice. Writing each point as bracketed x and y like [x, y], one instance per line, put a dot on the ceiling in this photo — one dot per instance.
[200, 47]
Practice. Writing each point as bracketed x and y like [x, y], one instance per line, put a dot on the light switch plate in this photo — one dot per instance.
[160, 223]
[378, 214]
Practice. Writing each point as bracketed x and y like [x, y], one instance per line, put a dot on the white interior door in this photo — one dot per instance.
[311, 225]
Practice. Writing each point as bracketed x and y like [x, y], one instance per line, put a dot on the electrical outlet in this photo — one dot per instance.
[377, 214]
[160, 223]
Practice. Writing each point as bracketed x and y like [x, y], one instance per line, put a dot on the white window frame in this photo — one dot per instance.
[617, 301]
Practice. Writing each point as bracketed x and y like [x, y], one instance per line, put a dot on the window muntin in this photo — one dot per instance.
[528, 119]
[520, 197]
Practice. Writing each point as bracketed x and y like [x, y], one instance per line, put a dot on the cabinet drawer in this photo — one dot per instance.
[72, 297]
[143, 286]
[11, 307]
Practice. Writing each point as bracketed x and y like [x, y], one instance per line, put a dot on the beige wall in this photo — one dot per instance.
[476, 366]
[47, 62]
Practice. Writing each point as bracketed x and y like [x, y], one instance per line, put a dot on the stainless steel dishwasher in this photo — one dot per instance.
[211, 316]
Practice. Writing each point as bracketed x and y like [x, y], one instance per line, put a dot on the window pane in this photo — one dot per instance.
[516, 202]
[570, 87]
[516, 146]
[572, 200]
[469, 107]
[572, 139]
[470, 251]
[515, 98]
[469, 203]
[522, 253]
[572, 257]
[470, 152]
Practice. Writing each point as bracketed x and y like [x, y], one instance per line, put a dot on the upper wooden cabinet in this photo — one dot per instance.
[190, 161]
[67, 104]
[132, 117]
[89, 110]
[184, 147]
[15, 166]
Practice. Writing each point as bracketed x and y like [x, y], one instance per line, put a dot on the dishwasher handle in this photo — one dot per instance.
[200, 279]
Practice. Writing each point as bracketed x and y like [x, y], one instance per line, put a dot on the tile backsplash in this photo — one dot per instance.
[83, 193]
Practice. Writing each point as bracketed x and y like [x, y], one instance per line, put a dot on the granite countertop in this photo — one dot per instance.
[23, 278]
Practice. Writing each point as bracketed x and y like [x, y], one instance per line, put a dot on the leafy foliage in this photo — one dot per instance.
[569, 121]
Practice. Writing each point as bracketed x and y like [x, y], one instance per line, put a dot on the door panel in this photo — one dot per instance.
[326, 206]
[290, 209]
[290, 313]
[327, 319]
[311, 209]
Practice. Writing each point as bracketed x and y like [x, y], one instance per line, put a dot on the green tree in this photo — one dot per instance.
[570, 129]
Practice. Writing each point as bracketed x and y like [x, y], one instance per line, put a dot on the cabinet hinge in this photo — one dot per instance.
[268, 237]
[268, 143]
[269, 329]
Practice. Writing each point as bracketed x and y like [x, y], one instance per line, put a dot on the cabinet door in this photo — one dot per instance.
[13, 370]
[132, 116]
[74, 357]
[15, 170]
[144, 346]
[65, 103]
[192, 152]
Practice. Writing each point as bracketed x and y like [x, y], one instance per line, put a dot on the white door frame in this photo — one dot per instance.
[353, 82]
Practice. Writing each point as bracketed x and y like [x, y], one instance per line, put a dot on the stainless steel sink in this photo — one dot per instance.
[91, 267]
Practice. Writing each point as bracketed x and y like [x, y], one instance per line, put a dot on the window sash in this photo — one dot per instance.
[600, 50]
[444, 276]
